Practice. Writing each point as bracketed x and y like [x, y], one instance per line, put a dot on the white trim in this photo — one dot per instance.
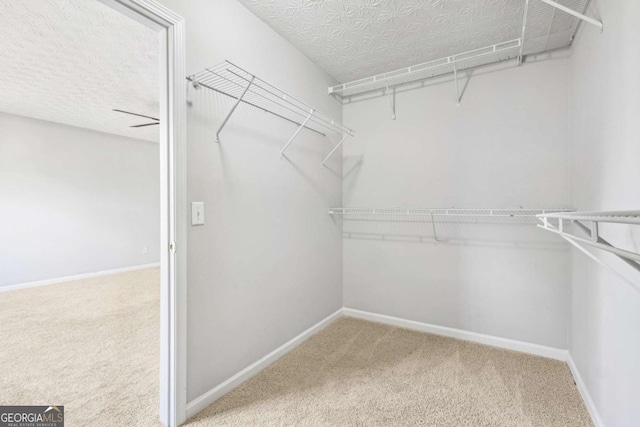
[521, 346]
[173, 202]
[206, 399]
[76, 277]
[200, 403]
[584, 392]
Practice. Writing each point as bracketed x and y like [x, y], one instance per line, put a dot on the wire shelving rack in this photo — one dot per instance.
[437, 225]
[589, 224]
[546, 25]
[235, 82]
[450, 64]
[484, 215]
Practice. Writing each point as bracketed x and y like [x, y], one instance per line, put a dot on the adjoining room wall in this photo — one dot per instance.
[505, 146]
[74, 201]
[267, 265]
[604, 339]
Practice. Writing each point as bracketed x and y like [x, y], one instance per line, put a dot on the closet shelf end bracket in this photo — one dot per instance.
[238, 101]
[304, 123]
[338, 145]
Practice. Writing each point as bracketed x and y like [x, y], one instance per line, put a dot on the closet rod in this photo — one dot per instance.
[256, 106]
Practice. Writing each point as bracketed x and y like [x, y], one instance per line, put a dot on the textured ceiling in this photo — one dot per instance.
[353, 39]
[73, 61]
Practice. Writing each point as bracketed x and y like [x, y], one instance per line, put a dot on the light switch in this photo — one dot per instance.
[197, 213]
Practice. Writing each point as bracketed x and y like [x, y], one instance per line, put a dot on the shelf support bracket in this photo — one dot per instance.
[599, 243]
[455, 77]
[602, 263]
[574, 13]
[296, 133]
[524, 31]
[433, 227]
[593, 233]
[392, 99]
[334, 149]
[238, 101]
[628, 257]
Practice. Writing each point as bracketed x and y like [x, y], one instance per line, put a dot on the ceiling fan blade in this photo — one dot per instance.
[135, 114]
[146, 124]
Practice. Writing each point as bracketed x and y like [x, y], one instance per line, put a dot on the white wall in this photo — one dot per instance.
[268, 262]
[605, 175]
[504, 147]
[74, 201]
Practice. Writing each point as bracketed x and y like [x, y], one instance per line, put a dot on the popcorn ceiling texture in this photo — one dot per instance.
[353, 39]
[73, 61]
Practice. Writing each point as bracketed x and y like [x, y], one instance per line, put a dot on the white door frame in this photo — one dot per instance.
[173, 203]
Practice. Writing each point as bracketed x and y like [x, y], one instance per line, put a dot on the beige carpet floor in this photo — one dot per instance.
[357, 373]
[91, 345]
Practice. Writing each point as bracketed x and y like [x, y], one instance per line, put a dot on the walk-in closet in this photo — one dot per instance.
[418, 213]
[393, 212]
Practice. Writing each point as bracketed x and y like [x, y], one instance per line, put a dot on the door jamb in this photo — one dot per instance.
[173, 202]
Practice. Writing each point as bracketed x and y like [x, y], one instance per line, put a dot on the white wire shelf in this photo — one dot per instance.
[555, 222]
[546, 25]
[621, 217]
[485, 215]
[233, 81]
[450, 64]
[589, 222]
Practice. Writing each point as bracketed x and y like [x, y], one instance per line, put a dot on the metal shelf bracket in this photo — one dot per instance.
[335, 148]
[238, 101]
[433, 227]
[455, 77]
[391, 93]
[593, 237]
[574, 13]
[296, 133]
[524, 32]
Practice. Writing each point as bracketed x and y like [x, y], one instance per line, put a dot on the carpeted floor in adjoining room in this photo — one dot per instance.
[358, 373]
[92, 345]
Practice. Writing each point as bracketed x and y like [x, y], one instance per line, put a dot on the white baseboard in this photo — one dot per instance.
[521, 346]
[584, 392]
[214, 394]
[200, 403]
[77, 277]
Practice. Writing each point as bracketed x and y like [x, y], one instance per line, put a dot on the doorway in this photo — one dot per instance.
[172, 201]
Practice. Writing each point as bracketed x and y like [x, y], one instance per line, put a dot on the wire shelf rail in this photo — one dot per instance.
[431, 223]
[546, 25]
[450, 64]
[485, 215]
[233, 81]
[589, 222]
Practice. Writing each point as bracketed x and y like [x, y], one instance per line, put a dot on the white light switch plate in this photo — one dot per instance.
[197, 213]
